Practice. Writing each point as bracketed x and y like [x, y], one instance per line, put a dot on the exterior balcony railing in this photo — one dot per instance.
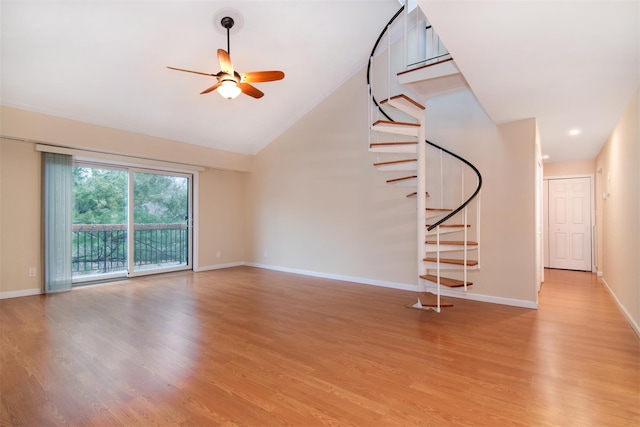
[102, 248]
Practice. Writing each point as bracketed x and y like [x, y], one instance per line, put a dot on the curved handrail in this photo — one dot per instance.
[466, 202]
[375, 102]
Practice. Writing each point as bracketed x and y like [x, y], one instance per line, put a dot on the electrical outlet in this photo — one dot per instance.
[218, 254]
[266, 254]
[32, 272]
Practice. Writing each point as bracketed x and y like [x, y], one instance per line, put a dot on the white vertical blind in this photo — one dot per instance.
[58, 202]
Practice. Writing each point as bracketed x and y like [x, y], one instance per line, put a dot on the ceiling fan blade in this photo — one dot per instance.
[211, 89]
[262, 76]
[189, 71]
[252, 91]
[225, 62]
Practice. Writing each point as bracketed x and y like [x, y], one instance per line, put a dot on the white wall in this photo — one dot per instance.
[506, 157]
[317, 205]
[314, 202]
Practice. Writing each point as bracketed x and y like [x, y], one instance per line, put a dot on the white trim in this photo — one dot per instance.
[118, 159]
[80, 280]
[487, 298]
[599, 273]
[112, 281]
[160, 270]
[393, 285]
[218, 266]
[385, 284]
[195, 218]
[402, 286]
[22, 293]
[592, 182]
[631, 320]
[131, 168]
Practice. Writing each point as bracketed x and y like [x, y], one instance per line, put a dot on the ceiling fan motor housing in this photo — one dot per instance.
[231, 83]
[227, 22]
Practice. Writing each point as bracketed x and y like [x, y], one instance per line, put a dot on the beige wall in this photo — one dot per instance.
[71, 133]
[318, 205]
[221, 192]
[221, 221]
[314, 202]
[618, 217]
[579, 167]
[506, 157]
[20, 213]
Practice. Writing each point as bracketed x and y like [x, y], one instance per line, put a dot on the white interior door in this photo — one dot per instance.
[570, 223]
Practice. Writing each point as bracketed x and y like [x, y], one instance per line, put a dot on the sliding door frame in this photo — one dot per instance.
[192, 222]
[131, 222]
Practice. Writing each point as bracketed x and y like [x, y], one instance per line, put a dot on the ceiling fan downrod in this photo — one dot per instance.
[227, 22]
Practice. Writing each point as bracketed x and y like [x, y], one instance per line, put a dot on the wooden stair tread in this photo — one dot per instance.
[427, 299]
[406, 147]
[423, 66]
[439, 209]
[415, 193]
[404, 178]
[406, 105]
[455, 261]
[405, 98]
[398, 128]
[399, 124]
[445, 281]
[452, 242]
[394, 162]
[451, 225]
[386, 144]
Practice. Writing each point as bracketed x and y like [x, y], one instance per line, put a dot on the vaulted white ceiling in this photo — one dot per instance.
[570, 64]
[104, 62]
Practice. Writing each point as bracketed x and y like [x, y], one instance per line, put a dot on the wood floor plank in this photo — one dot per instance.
[248, 346]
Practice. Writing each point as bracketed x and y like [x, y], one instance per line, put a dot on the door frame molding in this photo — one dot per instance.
[591, 176]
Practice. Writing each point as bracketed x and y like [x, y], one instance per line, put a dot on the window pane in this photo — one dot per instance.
[161, 209]
[99, 242]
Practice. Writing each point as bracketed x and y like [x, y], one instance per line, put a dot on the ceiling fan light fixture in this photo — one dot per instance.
[230, 83]
[229, 89]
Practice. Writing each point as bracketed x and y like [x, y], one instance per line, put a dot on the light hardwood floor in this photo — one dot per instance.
[246, 346]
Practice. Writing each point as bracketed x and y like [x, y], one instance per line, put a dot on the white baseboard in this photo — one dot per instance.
[599, 273]
[394, 285]
[364, 281]
[22, 293]
[631, 320]
[486, 298]
[218, 266]
[403, 286]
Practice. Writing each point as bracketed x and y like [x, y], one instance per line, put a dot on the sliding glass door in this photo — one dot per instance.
[99, 232]
[160, 221]
[129, 221]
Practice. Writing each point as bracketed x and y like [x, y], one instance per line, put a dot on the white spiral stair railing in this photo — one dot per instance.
[439, 245]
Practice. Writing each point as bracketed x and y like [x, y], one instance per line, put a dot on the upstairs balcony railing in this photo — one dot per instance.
[102, 248]
[422, 44]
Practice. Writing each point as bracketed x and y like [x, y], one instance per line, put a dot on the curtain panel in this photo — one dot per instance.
[58, 204]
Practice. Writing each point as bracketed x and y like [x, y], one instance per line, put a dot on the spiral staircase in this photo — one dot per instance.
[446, 187]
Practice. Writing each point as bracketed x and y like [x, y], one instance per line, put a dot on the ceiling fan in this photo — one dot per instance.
[231, 83]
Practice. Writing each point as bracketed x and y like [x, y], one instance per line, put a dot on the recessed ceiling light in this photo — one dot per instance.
[574, 132]
[545, 157]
